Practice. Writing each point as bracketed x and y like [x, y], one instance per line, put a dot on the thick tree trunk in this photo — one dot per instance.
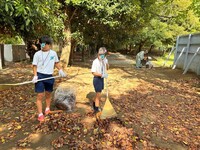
[83, 54]
[141, 44]
[2, 56]
[88, 50]
[130, 48]
[127, 46]
[73, 46]
[67, 46]
[150, 50]
[140, 47]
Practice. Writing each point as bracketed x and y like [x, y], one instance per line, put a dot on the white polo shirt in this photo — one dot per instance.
[99, 66]
[45, 61]
[140, 55]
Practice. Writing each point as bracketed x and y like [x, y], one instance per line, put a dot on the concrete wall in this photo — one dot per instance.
[190, 43]
[19, 52]
[8, 56]
[14, 53]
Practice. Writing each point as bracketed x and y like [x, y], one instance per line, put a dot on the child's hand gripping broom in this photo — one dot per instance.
[108, 110]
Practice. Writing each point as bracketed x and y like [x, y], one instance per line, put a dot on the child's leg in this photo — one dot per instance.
[48, 85]
[138, 62]
[48, 99]
[97, 99]
[150, 65]
[39, 102]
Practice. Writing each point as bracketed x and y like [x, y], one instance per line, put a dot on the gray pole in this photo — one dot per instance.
[168, 56]
[178, 58]
[188, 48]
[187, 67]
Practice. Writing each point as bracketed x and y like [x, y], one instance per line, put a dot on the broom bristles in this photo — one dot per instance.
[108, 110]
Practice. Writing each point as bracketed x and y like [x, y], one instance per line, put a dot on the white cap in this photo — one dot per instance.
[146, 51]
[102, 50]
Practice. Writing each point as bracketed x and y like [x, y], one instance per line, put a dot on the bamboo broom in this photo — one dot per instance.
[108, 110]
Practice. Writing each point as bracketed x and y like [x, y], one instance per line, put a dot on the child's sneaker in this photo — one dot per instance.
[47, 112]
[41, 118]
[93, 106]
[98, 113]
[97, 110]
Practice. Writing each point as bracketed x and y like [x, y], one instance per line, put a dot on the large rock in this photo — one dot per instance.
[65, 98]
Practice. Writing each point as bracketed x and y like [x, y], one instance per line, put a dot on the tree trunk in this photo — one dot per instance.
[88, 50]
[2, 56]
[67, 45]
[73, 46]
[83, 54]
[141, 44]
[152, 46]
[60, 46]
[140, 47]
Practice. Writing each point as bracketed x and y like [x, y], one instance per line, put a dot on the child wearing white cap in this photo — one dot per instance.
[99, 71]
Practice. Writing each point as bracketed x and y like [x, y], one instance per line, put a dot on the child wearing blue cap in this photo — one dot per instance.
[43, 67]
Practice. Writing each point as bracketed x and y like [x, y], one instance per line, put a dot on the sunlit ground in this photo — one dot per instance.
[165, 60]
[151, 106]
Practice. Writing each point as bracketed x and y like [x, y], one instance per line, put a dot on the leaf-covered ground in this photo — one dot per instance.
[157, 109]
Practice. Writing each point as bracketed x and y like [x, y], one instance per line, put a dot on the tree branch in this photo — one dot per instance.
[73, 14]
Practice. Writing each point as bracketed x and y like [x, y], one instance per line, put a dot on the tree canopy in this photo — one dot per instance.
[113, 23]
[30, 18]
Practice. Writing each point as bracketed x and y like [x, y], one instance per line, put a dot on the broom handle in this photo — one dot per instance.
[42, 79]
[27, 82]
[107, 87]
[47, 78]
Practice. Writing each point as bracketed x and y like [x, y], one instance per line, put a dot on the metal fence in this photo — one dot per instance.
[187, 53]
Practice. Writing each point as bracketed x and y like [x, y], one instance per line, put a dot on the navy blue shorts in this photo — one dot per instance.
[98, 83]
[45, 85]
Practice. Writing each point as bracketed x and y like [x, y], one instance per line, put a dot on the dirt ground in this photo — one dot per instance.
[156, 109]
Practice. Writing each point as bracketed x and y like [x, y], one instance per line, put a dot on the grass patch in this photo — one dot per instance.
[163, 59]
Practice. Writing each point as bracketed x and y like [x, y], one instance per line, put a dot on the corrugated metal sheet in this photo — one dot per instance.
[190, 58]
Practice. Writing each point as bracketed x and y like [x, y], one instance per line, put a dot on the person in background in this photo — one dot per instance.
[43, 67]
[99, 71]
[37, 44]
[139, 58]
[148, 64]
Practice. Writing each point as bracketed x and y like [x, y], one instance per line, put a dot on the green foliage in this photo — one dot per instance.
[78, 36]
[169, 61]
[7, 39]
[168, 19]
[31, 18]
[96, 22]
[195, 6]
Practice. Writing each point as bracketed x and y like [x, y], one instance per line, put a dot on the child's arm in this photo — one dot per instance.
[61, 72]
[57, 65]
[35, 70]
[35, 77]
[94, 70]
[97, 74]
[107, 65]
